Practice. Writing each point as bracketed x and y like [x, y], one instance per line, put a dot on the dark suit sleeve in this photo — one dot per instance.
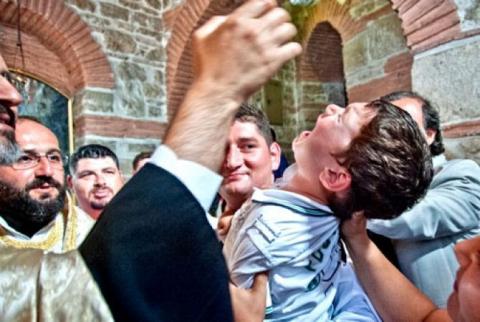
[155, 257]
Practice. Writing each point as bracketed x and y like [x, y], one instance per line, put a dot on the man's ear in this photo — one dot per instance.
[431, 135]
[122, 177]
[275, 152]
[335, 180]
[69, 182]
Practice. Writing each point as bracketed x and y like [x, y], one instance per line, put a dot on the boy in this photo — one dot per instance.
[369, 157]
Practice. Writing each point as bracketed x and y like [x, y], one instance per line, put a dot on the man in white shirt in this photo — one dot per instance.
[152, 252]
[251, 158]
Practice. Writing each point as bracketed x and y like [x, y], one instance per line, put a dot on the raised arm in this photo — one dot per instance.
[233, 57]
[394, 297]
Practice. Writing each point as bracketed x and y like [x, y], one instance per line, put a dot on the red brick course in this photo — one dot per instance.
[398, 77]
[58, 46]
[462, 129]
[118, 127]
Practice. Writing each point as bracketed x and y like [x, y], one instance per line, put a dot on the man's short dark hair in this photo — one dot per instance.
[91, 151]
[139, 157]
[250, 113]
[389, 163]
[431, 118]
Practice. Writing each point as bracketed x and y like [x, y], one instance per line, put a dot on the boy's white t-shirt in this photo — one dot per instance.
[296, 240]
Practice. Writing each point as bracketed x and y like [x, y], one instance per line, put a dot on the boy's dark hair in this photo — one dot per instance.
[91, 151]
[139, 157]
[389, 163]
[431, 118]
[250, 113]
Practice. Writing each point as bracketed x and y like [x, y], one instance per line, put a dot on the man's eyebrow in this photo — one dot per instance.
[247, 138]
[109, 168]
[34, 151]
[84, 172]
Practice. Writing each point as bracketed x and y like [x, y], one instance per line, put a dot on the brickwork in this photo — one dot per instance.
[321, 76]
[110, 56]
[377, 43]
[57, 44]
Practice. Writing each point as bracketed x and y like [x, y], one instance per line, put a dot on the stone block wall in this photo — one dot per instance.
[353, 51]
[448, 75]
[132, 116]
[377, 60]
[110, 56]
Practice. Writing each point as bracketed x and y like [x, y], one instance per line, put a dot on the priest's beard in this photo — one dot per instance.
[28, 215]
[9, 150]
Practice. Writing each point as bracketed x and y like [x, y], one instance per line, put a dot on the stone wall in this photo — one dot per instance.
[378, 40]
[132, 116]
[353, 51]
[448, 75]
[110, 56]
[469, 13]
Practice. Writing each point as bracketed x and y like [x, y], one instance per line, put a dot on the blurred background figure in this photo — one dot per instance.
[140, 160]
[95, 178]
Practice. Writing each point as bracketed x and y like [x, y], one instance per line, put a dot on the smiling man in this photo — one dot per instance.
[32, 195]
[251, 158]
[95, 178]
[9, 101]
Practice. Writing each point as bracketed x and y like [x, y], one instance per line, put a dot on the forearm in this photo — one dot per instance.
[439, 214]
[200, 128]
[394, 297]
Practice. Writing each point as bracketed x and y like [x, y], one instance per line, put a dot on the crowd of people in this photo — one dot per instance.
[91, 246]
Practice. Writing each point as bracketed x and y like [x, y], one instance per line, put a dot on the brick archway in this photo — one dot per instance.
[428, 23]
[322, 60]
[179, 72]
[425, 25]
[58, 46]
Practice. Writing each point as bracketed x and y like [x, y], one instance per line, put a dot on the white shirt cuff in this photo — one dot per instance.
[202, 182]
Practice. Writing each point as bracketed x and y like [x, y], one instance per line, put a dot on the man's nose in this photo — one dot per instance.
[234, 158]
[9, 96]
[99, 180]
[44, 168]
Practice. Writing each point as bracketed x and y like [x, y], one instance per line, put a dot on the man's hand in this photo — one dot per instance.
[356, 226]
[354, 230]
[238, 53]
[249, 304]
[234, 56]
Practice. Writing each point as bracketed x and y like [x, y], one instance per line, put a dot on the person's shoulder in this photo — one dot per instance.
[289, 202]
[460, 166]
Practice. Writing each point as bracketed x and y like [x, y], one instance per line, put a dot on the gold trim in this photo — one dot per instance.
[70, 241]
[71, 143]
[53, 236]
